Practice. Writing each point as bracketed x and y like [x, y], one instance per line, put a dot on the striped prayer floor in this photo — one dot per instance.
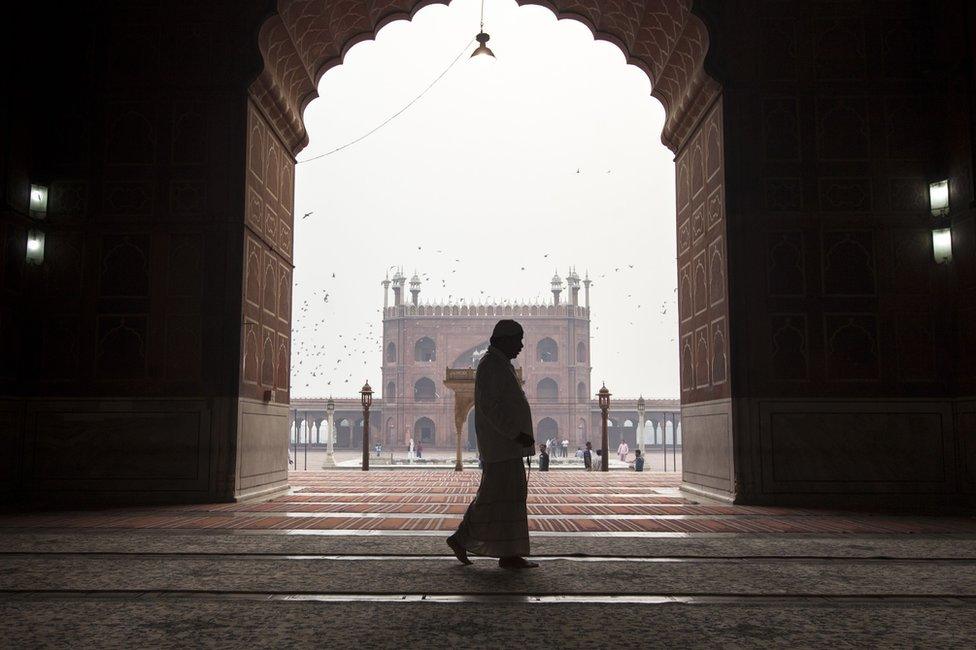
[621, 503]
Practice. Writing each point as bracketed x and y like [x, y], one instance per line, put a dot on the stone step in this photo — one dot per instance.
[444, 575]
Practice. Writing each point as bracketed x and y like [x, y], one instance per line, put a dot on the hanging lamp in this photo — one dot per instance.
[482, 53]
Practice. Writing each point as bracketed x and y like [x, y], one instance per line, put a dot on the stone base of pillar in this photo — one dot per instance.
[329, 461]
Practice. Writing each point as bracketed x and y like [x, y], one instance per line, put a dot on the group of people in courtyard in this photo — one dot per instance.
[556, 448]
[592, 459]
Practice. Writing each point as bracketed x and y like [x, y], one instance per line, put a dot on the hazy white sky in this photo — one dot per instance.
[548, 158]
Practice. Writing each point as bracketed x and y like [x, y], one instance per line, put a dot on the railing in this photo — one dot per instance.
[460, 374]
[467, 374]
[495, 311]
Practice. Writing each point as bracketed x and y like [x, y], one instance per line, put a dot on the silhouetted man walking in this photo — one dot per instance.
[496, 523]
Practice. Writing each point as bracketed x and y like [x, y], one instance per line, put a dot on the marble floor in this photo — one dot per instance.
[353, 559]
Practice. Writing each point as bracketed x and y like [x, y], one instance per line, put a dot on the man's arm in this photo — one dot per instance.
[496, 394]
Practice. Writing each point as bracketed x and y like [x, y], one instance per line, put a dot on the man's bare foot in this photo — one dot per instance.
[459, 552]
[516, 562]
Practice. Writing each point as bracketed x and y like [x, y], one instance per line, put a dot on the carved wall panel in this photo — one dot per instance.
[61, 348]
[156, 445]
[788, 349]
[779, 47]
[785, 264]
[702, 272]
[63, 271]
[812, 450]
[842, 128]
[848, 263]
[68, 200]
[852, 347]
[267, 262]
[784, 194]
[121, 347]
[841, 183]
[839, 48]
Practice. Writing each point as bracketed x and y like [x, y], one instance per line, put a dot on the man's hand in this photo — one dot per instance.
[525, 440]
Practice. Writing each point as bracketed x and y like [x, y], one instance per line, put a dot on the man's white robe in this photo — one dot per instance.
[496, 523]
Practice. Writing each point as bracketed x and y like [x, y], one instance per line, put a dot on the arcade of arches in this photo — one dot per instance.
[823, 357]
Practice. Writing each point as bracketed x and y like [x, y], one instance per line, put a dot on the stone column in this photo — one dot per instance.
[330, 440]
[459, 419]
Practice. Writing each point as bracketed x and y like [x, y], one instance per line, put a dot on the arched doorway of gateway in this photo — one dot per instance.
[663, 38]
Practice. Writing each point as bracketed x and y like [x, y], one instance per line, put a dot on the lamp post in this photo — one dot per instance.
[604, 397]
[641, 405]
[367, 398]
[298, 429]
[330, 428]
[664, 439]
[674, 444]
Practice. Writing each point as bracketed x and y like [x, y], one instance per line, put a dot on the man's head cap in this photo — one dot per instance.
[507, 327]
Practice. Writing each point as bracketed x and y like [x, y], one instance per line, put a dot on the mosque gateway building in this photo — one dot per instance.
[421, 340]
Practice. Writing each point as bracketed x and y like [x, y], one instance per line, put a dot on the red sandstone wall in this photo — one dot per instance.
[454, 335]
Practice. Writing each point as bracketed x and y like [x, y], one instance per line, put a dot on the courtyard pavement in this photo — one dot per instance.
[353, 558]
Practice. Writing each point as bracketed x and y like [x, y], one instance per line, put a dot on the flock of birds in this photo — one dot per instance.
[330, 362]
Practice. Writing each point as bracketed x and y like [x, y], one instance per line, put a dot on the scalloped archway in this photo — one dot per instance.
[305, 38]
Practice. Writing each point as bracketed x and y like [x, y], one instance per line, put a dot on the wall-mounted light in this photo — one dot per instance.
[942, 245]
[939, 198]
[38, 201]
[35, 247]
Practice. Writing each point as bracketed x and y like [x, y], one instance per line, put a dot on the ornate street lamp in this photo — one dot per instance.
[604, 397]
[367, 398]
[330, 433]
[640, 424]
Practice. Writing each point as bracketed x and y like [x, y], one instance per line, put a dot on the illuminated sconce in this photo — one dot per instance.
[38, 201]
[939, 198]
[35, 247]
[942, 245]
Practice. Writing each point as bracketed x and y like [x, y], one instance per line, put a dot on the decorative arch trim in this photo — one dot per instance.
[305, 38]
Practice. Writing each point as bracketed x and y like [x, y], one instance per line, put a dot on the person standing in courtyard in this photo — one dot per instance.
[638, 461]
[543, 459]
[623, 450]
[496, 523]
[588, 457]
